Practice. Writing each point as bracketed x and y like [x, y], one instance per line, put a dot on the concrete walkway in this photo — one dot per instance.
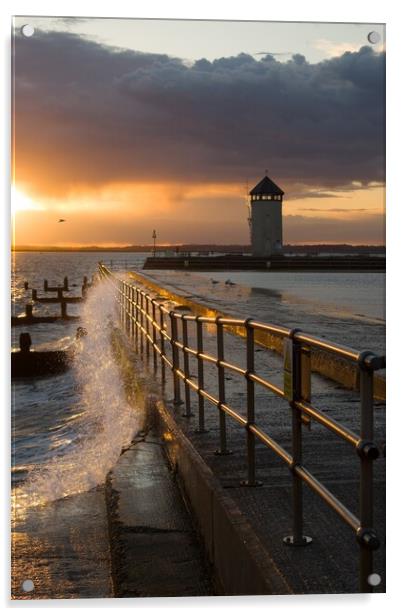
[155, 550]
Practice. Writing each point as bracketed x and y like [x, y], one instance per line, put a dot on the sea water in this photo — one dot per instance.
[67, 430]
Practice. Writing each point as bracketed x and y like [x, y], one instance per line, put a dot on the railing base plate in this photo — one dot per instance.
[289, 540]
[245, 483]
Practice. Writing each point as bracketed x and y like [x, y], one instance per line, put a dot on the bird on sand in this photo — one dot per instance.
[61, 220]
[230, 283]
[214, 281]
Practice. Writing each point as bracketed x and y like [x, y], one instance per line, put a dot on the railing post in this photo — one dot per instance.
[366, 536]
[124, 300]
[223, 450]
[147, 325]
[175, 360]
[200, 366]
[121, 303]
[136, 322]
[117, 286]
[305, 373]
[163, 355]
[154, 336]
[142, 322]
[297, 539]
[127, 307]
[251, 480]
[186, 366]
[124, 308]
[132, 312]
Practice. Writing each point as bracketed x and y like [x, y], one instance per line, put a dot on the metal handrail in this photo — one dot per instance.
[145, 319]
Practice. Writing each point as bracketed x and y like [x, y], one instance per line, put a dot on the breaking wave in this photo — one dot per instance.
[106, 421]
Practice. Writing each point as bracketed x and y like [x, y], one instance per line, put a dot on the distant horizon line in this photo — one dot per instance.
[193, 246]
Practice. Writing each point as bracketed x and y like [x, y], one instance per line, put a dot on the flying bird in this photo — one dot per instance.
[272, 53]
[61, 220]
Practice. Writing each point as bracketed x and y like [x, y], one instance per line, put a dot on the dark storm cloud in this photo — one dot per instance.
[91, 114]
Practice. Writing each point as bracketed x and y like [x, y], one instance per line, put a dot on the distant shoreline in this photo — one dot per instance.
[233, 248]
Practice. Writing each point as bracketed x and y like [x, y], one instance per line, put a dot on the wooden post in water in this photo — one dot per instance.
[25, 342]
[34, 295]
[45, 286]
[84, 288]
[65, 283]
[28, 311]
[64, 309]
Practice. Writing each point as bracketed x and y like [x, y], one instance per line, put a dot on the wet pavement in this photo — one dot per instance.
[63, 548]
[155, 550]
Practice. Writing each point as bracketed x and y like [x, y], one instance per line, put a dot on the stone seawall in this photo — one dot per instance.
[273, 263]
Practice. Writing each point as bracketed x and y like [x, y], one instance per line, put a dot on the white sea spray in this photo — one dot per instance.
[107, 421]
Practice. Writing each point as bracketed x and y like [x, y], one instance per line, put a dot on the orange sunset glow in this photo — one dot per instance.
[119, 215]
[118, 142]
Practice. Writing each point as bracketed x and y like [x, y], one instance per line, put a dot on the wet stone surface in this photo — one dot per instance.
[63, 547]
[155, 550]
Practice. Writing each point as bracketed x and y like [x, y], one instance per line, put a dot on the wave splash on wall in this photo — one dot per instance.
[106, 423]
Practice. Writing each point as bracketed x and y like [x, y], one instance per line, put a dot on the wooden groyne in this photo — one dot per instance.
[29, 318]
[275, 263]
[46, 287]
[28, 363]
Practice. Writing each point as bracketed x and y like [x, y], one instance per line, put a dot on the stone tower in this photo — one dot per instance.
[265, 217]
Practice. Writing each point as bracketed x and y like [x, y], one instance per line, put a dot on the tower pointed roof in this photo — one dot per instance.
[266, 187]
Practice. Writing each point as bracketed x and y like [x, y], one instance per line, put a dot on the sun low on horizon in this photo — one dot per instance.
[21, 202]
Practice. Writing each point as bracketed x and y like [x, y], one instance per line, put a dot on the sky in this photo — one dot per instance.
[125, 126]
